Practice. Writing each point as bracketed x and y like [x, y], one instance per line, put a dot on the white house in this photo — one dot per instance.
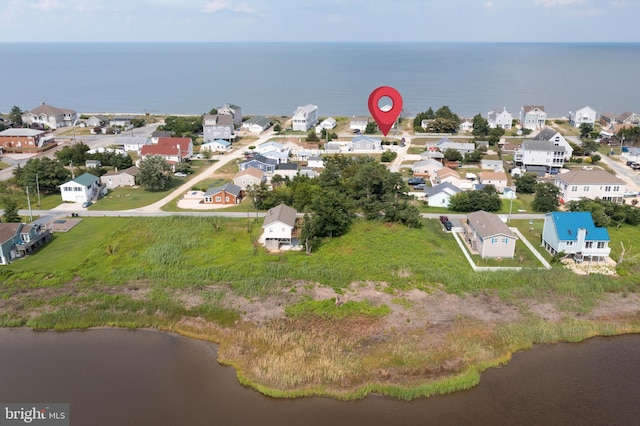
[217, 145]
[50, 116]
[535, 154]
[277, 228]
[219, 126]
[115, 178]
[590, 184]
[585, 115]
[81, 189]
[132, 143]
[304, 118]
[326, 124]
[234, 111]
[440, 195]
[487, 234]
[445, 143]
[497, 179]
[532, 117]
[315, 162]
[549, 134]
[466, 126]
[503, 120]
[249, 177]
[366, 143]
[257, 124]
[426, 167]
[358, 124]
[575, 234]
[495, 165]
[447, 175]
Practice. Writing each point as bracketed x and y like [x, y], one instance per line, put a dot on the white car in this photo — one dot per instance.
[180, 174]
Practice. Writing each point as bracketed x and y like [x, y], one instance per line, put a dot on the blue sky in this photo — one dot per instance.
[319, 20]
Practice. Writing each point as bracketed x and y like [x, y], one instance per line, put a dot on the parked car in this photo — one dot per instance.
[180, 174]
[420, 187]
[448, 225]
[443, 219]
[416, 181]
[86, 204]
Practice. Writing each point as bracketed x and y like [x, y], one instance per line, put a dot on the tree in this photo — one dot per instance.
[326, 135]
[525, 184]
[585, 130]
[525, 131]
[486, 199]
[312, 137]
[427, 115]
[589, 146]
[388, 156]
[595, 158]
[277, 128]
[213, 111]
[16, 116]
[76, 153]
[480, 126]
[371, 128]
[546, 198]
[10, 206]
[50, 174]
[495, 135]
[331, 216]
[474, 157]
[154, 173]
[452, 155]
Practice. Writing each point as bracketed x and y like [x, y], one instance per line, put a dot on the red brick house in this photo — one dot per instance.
[22, 138]
[228, 193]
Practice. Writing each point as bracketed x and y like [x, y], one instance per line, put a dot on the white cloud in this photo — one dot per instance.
[558, 3]
[226, 5]
[488, 5]
[46, 4]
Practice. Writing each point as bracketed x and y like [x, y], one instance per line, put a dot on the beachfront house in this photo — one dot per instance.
[358, 124]
[585, 115]
[488, 235]
[278, 228]
[257, 124]
[500, 119]
[220, 126]
[85, 187]
[326, 124]
[50, 116]
[533, 117]
[234, 111]
[575, 234]
[590, 184]
[304, 118]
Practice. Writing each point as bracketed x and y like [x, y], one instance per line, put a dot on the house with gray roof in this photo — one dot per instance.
[278, 228]
[232, 110]
[267, 165]
[426, 167]
[590, 184]
[219, 126]
[229, 193]
[538, 154]
[116, 178]
[500, 119]
[440, 195]
[486, 234]
[552, 135]
[304, 118]
[445, 143]
[257, 124]
[366, 143]
[584, 115]
[50, 116]
[533, 117]
[19, 240]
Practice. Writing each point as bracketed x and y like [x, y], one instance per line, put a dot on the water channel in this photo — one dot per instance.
[122, 377]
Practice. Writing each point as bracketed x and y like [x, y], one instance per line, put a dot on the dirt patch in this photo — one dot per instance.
[607, 267]
[616, 305]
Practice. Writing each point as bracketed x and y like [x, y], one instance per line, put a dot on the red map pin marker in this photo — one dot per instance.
[385, 118]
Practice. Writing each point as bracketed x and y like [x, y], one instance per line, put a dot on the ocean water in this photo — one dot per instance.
[276, 78]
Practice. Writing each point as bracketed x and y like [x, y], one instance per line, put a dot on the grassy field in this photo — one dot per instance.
[126, 198]
[183, 274]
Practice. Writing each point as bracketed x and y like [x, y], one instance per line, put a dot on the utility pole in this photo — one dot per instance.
[29, 204]
[38, 189]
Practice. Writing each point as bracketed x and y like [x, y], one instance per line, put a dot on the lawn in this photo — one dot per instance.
[3, 165]
[126, 198]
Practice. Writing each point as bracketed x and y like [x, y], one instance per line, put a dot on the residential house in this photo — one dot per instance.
[249, 177]
[497, 179]
[116, 178]
[446, 174]
[575, 234]
[466, 126]
[445, 143]
[432, 155]
[426, 168]
[96, 121]
[93, 164]
[487, 234]
[218, 145]
[585, 115]
[315, 162]
[549, 134]
[174, 150]
[50, 116]
[502, 120]
[533, 117]
[133, 143]
[19, 240]
[628, 119]
[121, 121]
[234, 111]
[426, 123]
[309, 172]
[495, 165]
[440, 195]
[229, 193]
[304, 118]
[272, 146]
[219, 126]
[545, 154]
[267, 165]
[358, 123]
[608, 119]
[257, 124]
[23, 138]
[326, 124]
[366, 143]
[161, 134]
[85, 187]
[289, 170]
[508, 148]
[590, 184]
[278, 228]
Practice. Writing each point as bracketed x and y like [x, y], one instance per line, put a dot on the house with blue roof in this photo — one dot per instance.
[575, 234]
[217, 145]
